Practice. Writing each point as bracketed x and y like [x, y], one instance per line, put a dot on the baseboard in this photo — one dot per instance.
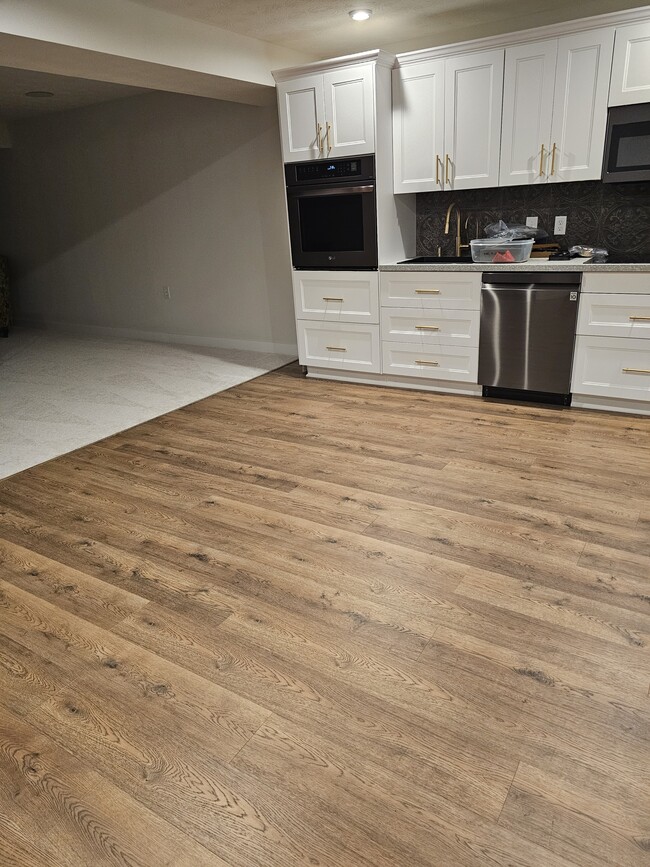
[633, 407]
[388, 381]
[290, 349]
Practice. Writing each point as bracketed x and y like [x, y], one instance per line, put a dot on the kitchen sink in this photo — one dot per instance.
[437, 260]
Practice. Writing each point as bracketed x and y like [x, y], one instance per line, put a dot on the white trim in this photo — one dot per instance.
[162, 337]
[533, 34]
[588, 401]
[469, 389]
[377, 55]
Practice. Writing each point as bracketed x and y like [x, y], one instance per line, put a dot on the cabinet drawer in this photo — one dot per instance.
[612, 367]
[615, 282]
[439, 290]
[345, 296]
[430, 362]
[339, 345]
[614, 315]
[430, 327]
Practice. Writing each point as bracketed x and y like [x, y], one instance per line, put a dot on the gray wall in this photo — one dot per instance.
[103, 206]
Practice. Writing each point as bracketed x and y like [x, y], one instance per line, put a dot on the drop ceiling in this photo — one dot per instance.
[68, 92]
[323, 28]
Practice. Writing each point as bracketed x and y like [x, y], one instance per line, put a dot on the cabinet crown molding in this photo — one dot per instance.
[377, 56]
[533, 34]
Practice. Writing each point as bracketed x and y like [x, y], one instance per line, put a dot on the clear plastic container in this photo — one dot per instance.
[499, 252]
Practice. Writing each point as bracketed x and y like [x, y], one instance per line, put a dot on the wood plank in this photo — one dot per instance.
[75, 815]
[314, 623]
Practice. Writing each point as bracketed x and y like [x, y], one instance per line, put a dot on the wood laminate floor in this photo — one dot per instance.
[308, 623]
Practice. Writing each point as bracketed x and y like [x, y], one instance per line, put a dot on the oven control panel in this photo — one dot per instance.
[322, 171]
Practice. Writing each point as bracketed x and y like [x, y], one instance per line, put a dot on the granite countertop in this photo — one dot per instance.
[530, 265]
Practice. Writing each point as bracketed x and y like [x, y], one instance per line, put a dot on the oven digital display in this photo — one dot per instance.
[333, 169]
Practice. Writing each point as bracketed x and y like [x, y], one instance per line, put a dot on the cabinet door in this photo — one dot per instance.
[630, 82]
[339, 345]
[349, 111]
[580, 106]
[418, 126]
[473, 100]
[437, 290]
[527, 112]
[341, 296]
[612, 367]
[302, 118]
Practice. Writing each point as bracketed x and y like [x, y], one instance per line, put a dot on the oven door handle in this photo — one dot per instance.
[329, 191]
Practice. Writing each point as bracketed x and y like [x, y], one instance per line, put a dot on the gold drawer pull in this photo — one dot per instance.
[434, 363]
[635, 370]
[336, 348]
[325, 298]
[640, 318]
[427, 291]
[427, 327]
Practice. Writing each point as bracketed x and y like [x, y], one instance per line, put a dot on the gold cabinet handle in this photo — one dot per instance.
[328, 127]
[430, 363]
[640, 318]
[553, 152]
[319, 137]
[635, 370]
[541, 161]
[427, 291]
[326, 298]
[428, 327]
[336, 348]
[447, 163]
[437, 169]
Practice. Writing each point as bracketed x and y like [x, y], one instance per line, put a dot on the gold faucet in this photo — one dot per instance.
[453, 206]
[467, 246]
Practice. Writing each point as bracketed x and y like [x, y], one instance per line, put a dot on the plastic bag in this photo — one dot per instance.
[504, 232]
[587, 252]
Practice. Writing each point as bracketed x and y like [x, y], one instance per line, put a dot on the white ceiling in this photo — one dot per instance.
[323, 28]
[68, 92]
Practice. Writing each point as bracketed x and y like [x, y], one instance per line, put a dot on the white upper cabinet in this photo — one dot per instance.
[302, 117]
[349, 111]
[447, 122]
[529, 85]
[630, 82]
[328, 115]
[555, 109]
[418, 126]
[584, 63]
[473, 100]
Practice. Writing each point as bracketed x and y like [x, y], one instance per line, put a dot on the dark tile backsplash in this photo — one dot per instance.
[614, 216]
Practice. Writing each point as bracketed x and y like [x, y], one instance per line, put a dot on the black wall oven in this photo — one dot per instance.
[333, 213]
[627, 146]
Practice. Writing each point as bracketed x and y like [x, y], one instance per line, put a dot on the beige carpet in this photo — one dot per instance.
[61, 391]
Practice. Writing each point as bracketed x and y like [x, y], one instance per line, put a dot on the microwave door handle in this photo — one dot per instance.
[331, 191]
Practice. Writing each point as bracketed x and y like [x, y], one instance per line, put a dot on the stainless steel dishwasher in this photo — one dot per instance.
[528, 326]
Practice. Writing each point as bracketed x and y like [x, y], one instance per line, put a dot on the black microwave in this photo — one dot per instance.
[627, 144]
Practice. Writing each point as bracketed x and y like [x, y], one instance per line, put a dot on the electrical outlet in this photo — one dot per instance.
[532, 222]
[560, 226]
[166, 294]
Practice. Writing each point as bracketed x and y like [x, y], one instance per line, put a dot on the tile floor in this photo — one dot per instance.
[62, 391]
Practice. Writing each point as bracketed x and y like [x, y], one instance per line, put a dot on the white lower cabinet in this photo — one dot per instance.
[430, 327]
[341, 346]
[615, 316]
[443, 290]
[612, 367]
[342, 296]
[450, 363]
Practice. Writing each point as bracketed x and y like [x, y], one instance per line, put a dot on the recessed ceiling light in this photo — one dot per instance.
[39, 94]
[360, 14]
